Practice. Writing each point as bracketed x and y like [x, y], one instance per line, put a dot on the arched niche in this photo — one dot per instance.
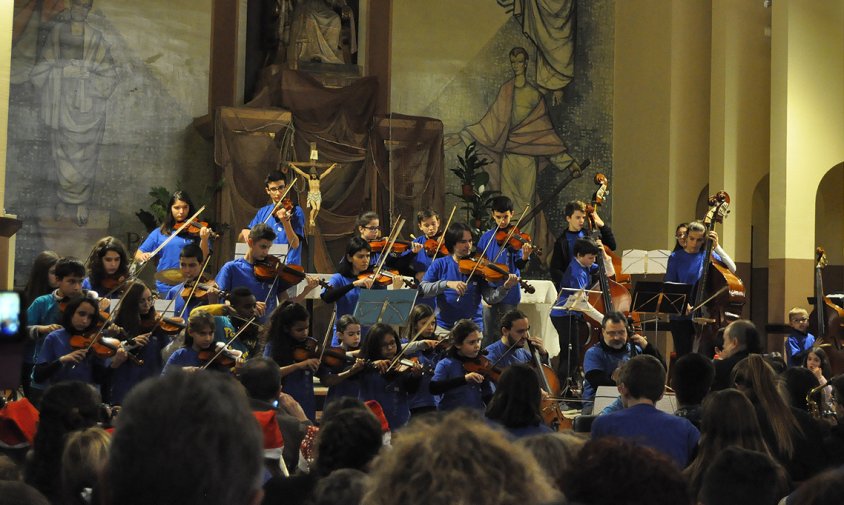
[759, 251]
[702, 205]
[829, 226]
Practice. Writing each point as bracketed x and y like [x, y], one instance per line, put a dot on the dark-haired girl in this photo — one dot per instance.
[458, 387]
[423, 349]
[199, 336]
[390, 387]
[42, 277]
[107, 267]
[516, 402]
[288, 330]
[180, 209]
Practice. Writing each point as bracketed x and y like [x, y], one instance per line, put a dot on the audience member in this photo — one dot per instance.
[612, 471]
[65, 407]
[456, 459]
[824, 489]
[9, 470]
[207, 444]
[84, 458]
[345, 486]
[834, 440]
[515, 403]
[555, 452]
[691, 378]
[798, 381]
[17, 493]
[740, 476]
[741, 338]
[642, 384]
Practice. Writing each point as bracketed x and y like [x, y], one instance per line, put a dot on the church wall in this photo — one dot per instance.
[147, 90]
[452, 65]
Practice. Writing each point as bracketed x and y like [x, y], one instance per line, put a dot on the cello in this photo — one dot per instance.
[720, 294]
[826, 319]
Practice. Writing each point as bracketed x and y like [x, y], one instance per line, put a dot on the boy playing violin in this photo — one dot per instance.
[240, 272]
[287, 222]
[199, 337]
[230, 318]
[369, 229]
[502, 214]
[428, 222]
[190, 264]
[456, 298]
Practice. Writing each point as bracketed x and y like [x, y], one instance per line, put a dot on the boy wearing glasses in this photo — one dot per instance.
[289, 226]
[800, 341]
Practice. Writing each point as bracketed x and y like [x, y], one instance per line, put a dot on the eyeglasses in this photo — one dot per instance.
[275, 189]
[371, 228]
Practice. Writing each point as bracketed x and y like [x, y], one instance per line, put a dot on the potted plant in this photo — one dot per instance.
[470, 172]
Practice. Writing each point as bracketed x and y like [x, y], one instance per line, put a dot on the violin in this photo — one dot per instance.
[102, 346]
[305, 350]
[483, 366]
[271, 268]
[287, 203]
[516, 240]
[112, 281]
[165, 325]
[193, 228]
[213, 357]
[404, 367]
[386, 277]
[201, 291]
[491, 272]
[399, 246]
[433, 246]
[336, 358]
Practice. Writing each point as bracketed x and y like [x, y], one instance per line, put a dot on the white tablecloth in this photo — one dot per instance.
[538, 309]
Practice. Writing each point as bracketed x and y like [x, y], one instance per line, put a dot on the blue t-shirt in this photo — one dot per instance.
[470, 395]
[797, 343]
[128, 375]
[686, 268]
[237, 273]
[299, 385]
[423, 397]
[184, 356]
[495, 350]
[44, 310]
[390, 394]
[644, 424]
[56, 345]
[297, 221]
[508, 257]
[346, 304]
[450, 309]
[598, 358]
[175, 293]
[421, 262]
[577, 276]
[168, 258]
[348, 387]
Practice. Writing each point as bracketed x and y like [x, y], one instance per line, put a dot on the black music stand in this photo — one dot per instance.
[660, 299]
[389, 306]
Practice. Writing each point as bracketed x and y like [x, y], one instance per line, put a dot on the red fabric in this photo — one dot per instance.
[269, 429]
[18, 423]
[376, 409]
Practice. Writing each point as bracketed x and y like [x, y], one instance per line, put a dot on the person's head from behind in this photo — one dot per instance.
[798, 383]
[208, 446]
[691, 378]
[70, 272]
[586, 251]
[742, 335]
[741, 477]
[17, 493]
[351, 438]
[345, 485]
[515, 403]
[555, 452]
[429, 454]
[603, 474]
[642, 378]
[837, 384]
[798, 318]
[826, 488]
[501, 209]
[729, 419]
[261, 378]
[84, 458]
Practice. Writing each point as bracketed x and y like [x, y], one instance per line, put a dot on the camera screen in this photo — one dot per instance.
[10, 315]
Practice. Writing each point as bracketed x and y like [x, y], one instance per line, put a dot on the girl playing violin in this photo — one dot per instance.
[390, 387]
[42, 278]
[424, 348]
[286, 219]
[180, 209]
[428, 222]
[58, 360]
[287, 331]
[230, 319]
[136, 308]
[458, 387]
[369, 229]
[344, 286]
[199, 337]
[516, 402]
[190, 265]
[107, 267]
[342, 383]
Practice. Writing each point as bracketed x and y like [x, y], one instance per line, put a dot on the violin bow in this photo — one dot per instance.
[195, 284]
[283, 196]
[163, 314]
[477, 264]
[412, 340]
[106, 323]
[510, 234]
[327, 334]
[158, 249]
[223, 348]
[391, 240]
[442, 231]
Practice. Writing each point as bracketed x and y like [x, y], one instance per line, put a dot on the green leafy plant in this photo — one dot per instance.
[153, 217]
[473, 179]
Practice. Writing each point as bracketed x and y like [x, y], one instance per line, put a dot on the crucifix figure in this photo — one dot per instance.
[314, 201]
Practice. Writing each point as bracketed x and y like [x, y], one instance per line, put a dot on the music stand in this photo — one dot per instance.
[660, 299]
[389, 306]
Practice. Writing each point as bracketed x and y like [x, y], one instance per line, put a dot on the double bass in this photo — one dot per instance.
[826, 319]
[719, 294]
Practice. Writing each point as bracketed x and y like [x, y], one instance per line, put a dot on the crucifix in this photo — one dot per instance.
[313, 177]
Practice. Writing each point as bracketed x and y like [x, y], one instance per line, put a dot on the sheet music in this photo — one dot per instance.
[636, 261]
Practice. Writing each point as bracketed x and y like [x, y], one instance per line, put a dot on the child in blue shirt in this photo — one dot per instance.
[190, 265]
[502, 214]
[369, 229]
[108, 267]
[390, 387]
[288, 226]
[800, 341]
[181, 208]
[343, 381]
[575, 214]
[458, 387]
[58, 360]
[426, 349]
[288, 329]
[199, 336]
[240, 272]
[428, 222]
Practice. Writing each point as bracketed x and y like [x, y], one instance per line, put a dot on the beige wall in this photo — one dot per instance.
[7, 246]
